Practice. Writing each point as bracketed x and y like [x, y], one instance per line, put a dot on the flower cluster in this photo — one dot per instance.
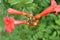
[10, 22]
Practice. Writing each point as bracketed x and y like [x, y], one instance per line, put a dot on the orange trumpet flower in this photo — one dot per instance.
[13, 11]
[45, 12]
[10, 23]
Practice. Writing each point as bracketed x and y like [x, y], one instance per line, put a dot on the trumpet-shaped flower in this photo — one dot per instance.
[52, 8]
[13, 11]
[10, 23]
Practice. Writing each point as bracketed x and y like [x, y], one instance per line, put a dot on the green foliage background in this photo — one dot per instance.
[47, 29]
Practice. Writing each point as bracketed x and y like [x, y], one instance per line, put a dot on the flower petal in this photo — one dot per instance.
[7, 28]
[8, 20]
[53, 3]
[57, 9]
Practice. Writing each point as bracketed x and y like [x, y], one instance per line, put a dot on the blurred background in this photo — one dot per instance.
[48, 27]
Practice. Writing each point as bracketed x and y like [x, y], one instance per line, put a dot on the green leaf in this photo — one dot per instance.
[44, 3]
[54, 34]
[0, 1]
[13, 2]
[27, 1]
[57, 21]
